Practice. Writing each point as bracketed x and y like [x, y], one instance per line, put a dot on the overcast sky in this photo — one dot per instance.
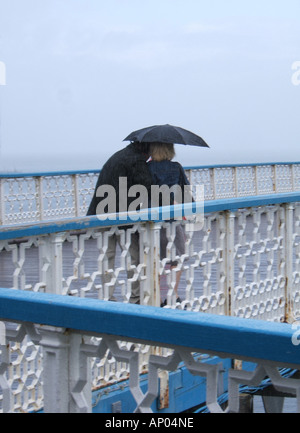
[82, 74]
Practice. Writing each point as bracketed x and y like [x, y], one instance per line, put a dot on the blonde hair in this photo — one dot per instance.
[162, 151]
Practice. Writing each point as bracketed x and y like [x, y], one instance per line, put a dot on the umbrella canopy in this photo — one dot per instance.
[166, 134]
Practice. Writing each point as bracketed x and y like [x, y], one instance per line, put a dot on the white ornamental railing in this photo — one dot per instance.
[33, 197]
[247, 247]
[72, 331]
[244, 262]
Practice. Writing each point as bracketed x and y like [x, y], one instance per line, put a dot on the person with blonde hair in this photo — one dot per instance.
[164, 171]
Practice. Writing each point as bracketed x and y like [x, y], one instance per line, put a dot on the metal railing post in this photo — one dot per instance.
[8, 401]
[289, 213]
[153, 269]
[51, 262]
[66, 372]
[2, 202]
[229, 257]
[55, 344]
[76, 195]
[80, 377]
[40, 201]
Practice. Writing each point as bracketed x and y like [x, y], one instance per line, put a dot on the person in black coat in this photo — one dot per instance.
[129, 163]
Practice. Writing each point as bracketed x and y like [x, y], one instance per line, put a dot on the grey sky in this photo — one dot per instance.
[81, 75]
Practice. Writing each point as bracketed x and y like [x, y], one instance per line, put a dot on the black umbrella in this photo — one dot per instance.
[166, 134]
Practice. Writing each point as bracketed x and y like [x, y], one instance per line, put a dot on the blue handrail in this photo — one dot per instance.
[230, 337]
[153, 214]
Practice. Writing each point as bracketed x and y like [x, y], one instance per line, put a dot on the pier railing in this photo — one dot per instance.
[71, 331]
[30, 197]
[243, 263]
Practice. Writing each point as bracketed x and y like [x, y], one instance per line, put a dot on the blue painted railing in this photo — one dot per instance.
[154, 214]
[59, 317]
[222, 335]
[41, 196]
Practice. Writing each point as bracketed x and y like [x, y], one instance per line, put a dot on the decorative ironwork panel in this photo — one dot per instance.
[58, 198]
[20, 200]
[260, 264]
[204, 177]
[265, 179]
[244, 263]
[225, 182]
[246, 181]
[67, 195]
[85, 185]
[71, 351]
[296, 177]
[21, 370]
[19, 264]
[60, 195]
[284, 178]
[101, 263]
[200, 269]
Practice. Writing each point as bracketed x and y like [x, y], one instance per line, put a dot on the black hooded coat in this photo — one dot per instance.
[129, 163]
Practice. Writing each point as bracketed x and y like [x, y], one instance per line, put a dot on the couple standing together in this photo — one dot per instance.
[144, 164]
